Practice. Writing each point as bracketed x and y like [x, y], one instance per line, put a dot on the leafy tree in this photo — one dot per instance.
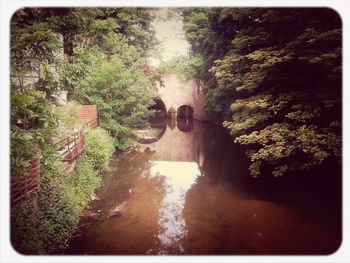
[108, 69]
[277, 82]
[90, 37]
[105, 51]
[182, 65]
[117, 85]
[134, 24]
[33, 124]
[34, 52]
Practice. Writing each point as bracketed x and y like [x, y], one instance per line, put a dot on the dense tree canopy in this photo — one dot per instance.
[108, 70]
[273, 77]
[117, 85]
[97, 54]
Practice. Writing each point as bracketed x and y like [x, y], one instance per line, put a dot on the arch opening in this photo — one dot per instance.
[184, 112]
[184, 116]
[158, 123]
[159, 110]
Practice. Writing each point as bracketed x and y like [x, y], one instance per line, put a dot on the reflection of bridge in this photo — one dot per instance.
[180, 142]
[176, 93]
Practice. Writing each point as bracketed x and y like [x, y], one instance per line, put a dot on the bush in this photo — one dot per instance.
[25, 237]
[84, 180]
[99, 148]
[68, 117]
[45, 227]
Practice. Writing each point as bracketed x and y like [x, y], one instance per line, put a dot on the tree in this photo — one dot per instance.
[34, 47]
[105, 52]
[277, 83]
[182, 65]
[112, 77]
[115, 38]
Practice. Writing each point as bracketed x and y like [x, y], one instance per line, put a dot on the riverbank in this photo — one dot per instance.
[43, 223]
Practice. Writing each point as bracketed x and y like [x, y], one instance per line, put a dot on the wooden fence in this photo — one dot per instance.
[88, 113]
[72, 146]
[21, 187]
[69, 149]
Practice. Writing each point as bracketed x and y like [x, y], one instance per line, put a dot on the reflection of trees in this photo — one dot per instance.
[117, 183]
[159, 124]
[222, 157]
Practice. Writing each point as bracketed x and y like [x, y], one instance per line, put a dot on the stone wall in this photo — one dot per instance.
[178, 91]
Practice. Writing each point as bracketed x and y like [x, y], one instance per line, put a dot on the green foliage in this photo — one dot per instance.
[85, 27]
[117, 39]
[133, 23]
[25, 237]
[109, 71]
[31, 39]
[278, 91]
[33, 124]
[282, 145]
[119, 88]
[34, 53]
[183, 65]
[84, 180]
[99, 149]
[68, 116]
[45, 226]
[49, 164]
[105, 52]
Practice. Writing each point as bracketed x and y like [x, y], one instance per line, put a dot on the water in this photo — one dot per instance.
[190, 193]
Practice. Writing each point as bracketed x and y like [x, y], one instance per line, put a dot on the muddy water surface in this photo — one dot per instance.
[190, 193]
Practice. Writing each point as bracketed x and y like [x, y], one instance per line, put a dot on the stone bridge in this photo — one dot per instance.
[180, 97]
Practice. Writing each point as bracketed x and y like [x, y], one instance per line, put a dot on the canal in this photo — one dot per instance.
[190, 192]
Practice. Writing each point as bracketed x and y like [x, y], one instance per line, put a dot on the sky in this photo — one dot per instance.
[171, 36]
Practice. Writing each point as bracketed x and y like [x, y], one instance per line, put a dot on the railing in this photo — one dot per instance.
[94, 123]
[69, 148]
[21, 187]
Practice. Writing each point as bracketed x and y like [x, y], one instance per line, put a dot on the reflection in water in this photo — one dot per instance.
[185, 125]
[179, 177]
[191, 193]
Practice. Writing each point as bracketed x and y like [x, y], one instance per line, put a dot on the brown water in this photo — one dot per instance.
[190, 193]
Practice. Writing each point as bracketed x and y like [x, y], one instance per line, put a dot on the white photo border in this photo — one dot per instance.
[8, 7]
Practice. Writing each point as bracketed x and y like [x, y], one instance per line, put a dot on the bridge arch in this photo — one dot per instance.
[159, 108]
[176, 92]
[184, 112]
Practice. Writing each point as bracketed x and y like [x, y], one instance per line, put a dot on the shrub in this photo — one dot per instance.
[45, 227]
[84, 180]
[99, 148]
